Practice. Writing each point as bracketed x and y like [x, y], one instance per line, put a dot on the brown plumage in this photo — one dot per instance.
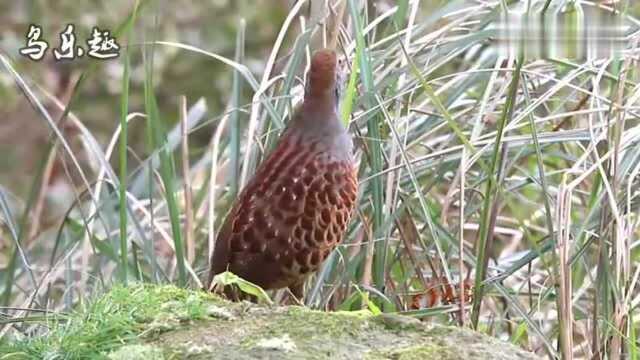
[296, 208]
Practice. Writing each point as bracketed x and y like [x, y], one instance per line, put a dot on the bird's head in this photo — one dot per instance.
[326, 75]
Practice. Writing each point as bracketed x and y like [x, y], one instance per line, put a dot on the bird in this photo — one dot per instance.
[296, 208]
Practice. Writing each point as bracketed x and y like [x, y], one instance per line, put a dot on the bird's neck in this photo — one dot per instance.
[321, 103]
[319, 113]
[317, 121]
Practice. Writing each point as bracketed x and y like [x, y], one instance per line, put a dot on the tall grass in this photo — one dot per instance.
[516, 175]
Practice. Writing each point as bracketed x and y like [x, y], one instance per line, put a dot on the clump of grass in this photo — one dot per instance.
[101, 325]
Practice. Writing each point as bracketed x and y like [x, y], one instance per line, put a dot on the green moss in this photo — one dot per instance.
[135, 352]
[296, 320]
[392, 321]
[411, 353]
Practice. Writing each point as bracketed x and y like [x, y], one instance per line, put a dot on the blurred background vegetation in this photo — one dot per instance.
[545, 152]
[210, 25]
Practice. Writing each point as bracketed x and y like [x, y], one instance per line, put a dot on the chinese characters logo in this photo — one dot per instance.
[101, 45]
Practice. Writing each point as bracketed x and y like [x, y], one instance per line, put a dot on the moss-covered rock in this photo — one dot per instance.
[150, 322]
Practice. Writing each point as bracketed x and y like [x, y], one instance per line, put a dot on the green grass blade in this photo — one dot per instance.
[351, 91]
[234, 120]
[374, 147]
[122, 152]
[489, 195]
[158, 139]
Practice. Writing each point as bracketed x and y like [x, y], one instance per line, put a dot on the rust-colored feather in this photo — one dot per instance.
[290, 216]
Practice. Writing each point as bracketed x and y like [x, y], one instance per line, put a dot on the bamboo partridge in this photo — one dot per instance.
[296, 208]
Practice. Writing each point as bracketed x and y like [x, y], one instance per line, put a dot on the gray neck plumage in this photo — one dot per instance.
[318, 119]
[320, 114]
